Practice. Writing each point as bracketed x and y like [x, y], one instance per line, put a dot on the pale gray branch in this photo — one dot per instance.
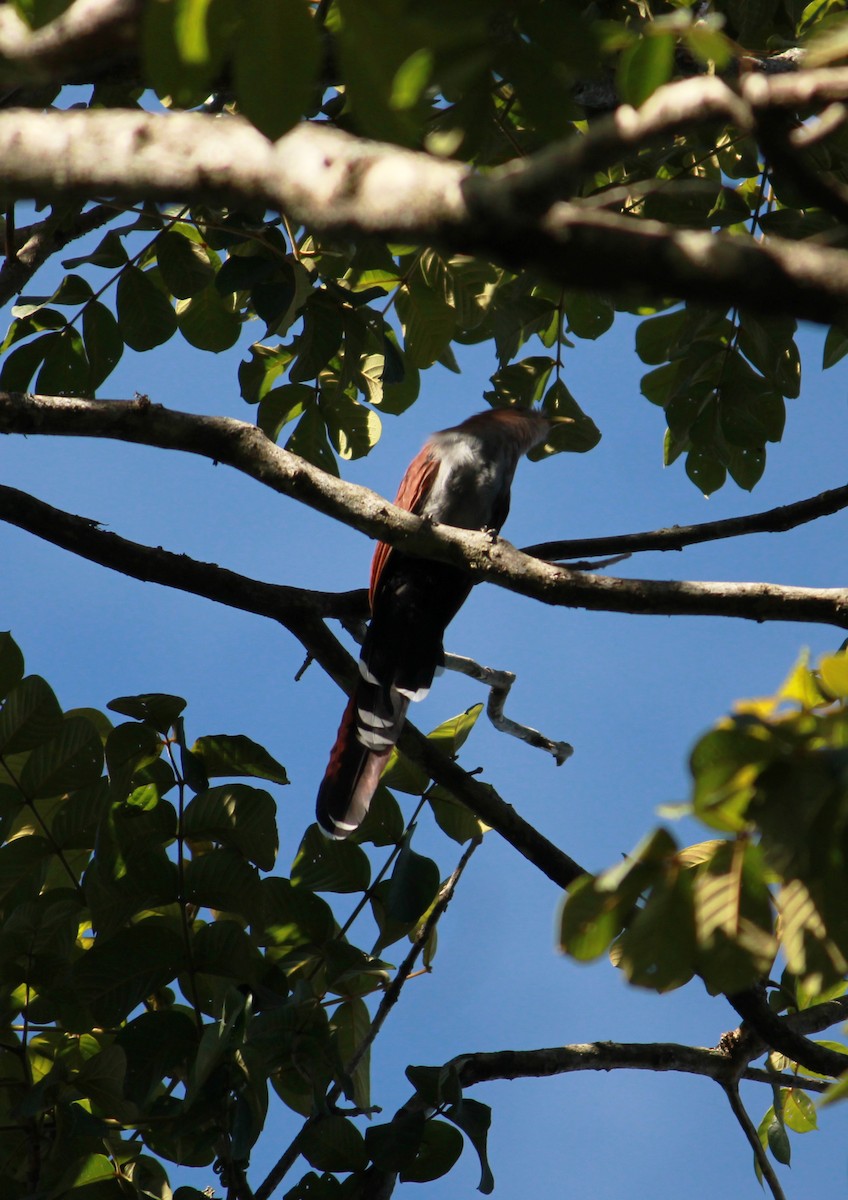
[244, 447]
[89, 35]
[342, 185]
[499, 684]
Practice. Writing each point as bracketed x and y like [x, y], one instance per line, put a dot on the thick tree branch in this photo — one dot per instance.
[613, 1056]
[84, 537]
[338, 184]
[90, 35]
[246, 448]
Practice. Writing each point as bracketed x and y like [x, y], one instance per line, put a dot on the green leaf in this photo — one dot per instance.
[72, 759]
[223, 948]
[241, 272]
[129, 747]
[276, 64]
[590, 919]
[156, 1044]
[394, 1145]
[321, 337]
[109, 252]
[156, 708]
[799, 1112]
[103, 343]
[351, 1022]
[354, 429]
[30, 716]
[310, 441]
[234, 754]
[411, 78]
[223, 881]
[184, 44]
[239, 816]
[436, 1085]
[452, 734]
[66, 370]
[11, 664]
[578, 437]
[184, 263]
[333, 1143]
[453, 818]
[374, 41]
[329, 866]
[293, 915]
[115, 976]
[438, 1151]
[427, 320]
[413, 886]
[20, 366]
[145, 315]
[835, 346]
[657, 949]
[778, 1141]
[645, 66]
[207, 322]
[705, 471]
[384, 823]
[282, 405]
[474, 1119]
[20, 859]
[522, 383]
[257, 375]
[589, 315]
[657, 336]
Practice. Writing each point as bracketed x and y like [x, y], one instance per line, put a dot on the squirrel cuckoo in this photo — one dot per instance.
[461, 477]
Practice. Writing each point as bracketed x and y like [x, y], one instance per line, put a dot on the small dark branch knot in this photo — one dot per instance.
[142, 403]
[731, 1041]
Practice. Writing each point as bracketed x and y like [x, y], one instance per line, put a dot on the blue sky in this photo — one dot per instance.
[630, 693]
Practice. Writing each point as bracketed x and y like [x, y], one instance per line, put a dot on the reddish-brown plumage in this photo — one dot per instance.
[461, 477]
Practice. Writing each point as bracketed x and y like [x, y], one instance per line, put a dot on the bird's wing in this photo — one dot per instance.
[414, 488]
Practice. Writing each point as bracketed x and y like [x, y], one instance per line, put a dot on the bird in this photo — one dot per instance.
[462, 477]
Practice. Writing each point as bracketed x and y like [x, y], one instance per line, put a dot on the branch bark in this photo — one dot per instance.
[90, 35]
[341, 185]
[246, 448]
[772, 520]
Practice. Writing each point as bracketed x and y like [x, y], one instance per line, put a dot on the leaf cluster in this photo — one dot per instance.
[349, 326]
[772, 779]
[157, 976]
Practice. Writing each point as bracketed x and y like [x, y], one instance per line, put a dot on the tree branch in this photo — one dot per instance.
[772, 520]
[75, 47]
[84, 537]
[245, 447]
[614, 1056]
[341, 185]
[37, 243]
[740, 1113]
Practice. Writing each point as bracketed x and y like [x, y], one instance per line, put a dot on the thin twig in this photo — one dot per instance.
[731, 1090]
[772, 520]
[499, 684]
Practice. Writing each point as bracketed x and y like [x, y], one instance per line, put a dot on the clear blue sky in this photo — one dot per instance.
[630, 693]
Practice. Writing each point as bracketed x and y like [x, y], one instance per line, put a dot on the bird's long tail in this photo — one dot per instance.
[367, 735]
